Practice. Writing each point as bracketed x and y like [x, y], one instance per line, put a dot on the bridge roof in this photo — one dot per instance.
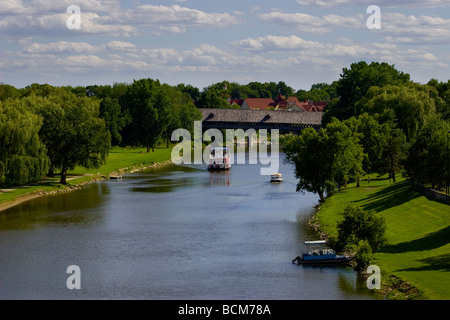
[262, 116]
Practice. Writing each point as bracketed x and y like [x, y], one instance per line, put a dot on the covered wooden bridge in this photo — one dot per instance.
[285, 121]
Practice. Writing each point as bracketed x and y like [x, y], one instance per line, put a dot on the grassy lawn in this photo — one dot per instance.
[119, 158]
[418, 232]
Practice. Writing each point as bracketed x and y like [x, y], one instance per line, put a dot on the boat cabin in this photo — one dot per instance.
[276, 177]
[219, 159]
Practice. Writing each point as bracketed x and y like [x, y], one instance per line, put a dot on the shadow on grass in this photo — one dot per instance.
[392, 196]
[437, 263]
[431, 241]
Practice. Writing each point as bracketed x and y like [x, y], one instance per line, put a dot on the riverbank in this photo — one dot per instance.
[415, 262]
[120, 161]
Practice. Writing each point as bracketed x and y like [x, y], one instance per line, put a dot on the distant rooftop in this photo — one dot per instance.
[262, 116]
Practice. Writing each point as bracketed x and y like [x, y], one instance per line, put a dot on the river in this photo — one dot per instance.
[173, 233]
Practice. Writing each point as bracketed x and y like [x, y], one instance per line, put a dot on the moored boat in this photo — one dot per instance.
[325, 256]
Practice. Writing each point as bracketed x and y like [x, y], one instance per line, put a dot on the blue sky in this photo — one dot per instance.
[201, 42]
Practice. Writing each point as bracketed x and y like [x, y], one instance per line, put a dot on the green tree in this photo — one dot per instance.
[361, 225]
[427, 158]
[182, 109]
[318, 92]
[285, 90]
[411, 105]
[394, 152]
[313, 163]
[23, 156]
[363, 256]
[193, 92]
[213, 97]
[73, 132]
[343, 145]
[115, 120]
[443, 89]
[373, 139]
[354, 84]
[326, 158]
[149, 108]
[8, 91]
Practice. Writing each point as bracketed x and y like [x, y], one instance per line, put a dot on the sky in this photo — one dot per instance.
[202, 42]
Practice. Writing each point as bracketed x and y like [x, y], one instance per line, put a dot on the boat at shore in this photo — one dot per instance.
[325, 256]
[219, 159]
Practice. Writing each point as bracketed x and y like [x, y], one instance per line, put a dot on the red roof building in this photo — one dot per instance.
[280, 103]
[258, 104]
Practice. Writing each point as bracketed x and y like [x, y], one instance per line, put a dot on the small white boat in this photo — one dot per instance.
[316, 242]
[276, 177]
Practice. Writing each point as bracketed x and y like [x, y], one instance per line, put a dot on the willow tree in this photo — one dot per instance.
[23, 156]
[355, 82]
[408, 106]
[73, 132]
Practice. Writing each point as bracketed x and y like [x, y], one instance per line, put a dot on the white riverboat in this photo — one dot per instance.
[276, 177]
[219, 159]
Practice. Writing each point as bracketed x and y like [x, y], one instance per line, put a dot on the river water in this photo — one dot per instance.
[173, 233]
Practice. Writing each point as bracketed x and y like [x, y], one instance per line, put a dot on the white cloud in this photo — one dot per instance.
[384, 3]
[411, 29]
[309, 23]
[323, 3]
[120, 46]
[48, 18]
[174, 19]
[119, 38]
[59, 47]
[276, 43]
[298, 51]
[396, 27]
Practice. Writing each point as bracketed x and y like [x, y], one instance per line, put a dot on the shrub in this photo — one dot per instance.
[363, 255]
[361, 225]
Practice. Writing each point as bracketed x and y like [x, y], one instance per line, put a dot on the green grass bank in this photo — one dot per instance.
[120, 161]
[418, 233]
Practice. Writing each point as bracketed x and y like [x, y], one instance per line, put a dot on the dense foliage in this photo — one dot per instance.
[376, 120]
[401, 126]
[48, 130]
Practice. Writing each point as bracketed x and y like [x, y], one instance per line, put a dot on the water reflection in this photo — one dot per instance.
[60, 209]
[170, 233]
[219, 178]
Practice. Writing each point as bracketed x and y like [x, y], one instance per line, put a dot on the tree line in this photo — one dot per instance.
[379, 122]
[46, 130]
[218, 95]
